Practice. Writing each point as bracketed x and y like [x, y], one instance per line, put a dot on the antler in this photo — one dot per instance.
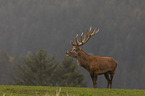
[87, 36]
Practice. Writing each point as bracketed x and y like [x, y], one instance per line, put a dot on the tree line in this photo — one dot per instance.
[39, 69]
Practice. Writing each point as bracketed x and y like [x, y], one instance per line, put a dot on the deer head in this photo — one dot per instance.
[76, 45]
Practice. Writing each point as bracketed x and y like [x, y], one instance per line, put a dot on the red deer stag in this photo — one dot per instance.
[95, 65]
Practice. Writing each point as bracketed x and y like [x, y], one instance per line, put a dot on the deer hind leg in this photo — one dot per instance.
[94, 79]
[108, 79]
[111, 76]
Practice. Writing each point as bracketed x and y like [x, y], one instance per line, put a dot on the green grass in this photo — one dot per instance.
[66, 91]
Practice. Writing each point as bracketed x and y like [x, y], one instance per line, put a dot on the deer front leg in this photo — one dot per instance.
[94, 79]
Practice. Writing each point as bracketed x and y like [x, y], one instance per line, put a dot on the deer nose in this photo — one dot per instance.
[66, 52]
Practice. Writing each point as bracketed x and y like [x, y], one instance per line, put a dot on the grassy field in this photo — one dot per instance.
[66, 91]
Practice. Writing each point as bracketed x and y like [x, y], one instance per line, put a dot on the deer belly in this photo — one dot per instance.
[103, 68]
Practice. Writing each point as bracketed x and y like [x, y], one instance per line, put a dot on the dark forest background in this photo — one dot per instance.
[29, 25]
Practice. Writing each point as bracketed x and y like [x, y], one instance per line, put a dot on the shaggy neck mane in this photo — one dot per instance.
[83, 59]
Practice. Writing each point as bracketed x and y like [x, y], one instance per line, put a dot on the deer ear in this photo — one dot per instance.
[77, 48]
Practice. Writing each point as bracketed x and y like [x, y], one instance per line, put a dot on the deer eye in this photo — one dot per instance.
[75, 49]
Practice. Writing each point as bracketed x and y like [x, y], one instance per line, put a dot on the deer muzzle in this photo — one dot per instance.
[67, 53]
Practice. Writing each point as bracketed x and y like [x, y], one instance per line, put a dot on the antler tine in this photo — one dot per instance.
[97, 31]
[86, 35]
[75, 41]
[94, 32]
[81, 37]
[90, 29]
[71, 42]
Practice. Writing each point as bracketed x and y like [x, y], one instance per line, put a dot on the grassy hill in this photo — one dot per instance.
[66, 91]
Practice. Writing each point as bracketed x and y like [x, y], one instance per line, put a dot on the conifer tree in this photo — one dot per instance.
[38, 69]
[71, 74]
